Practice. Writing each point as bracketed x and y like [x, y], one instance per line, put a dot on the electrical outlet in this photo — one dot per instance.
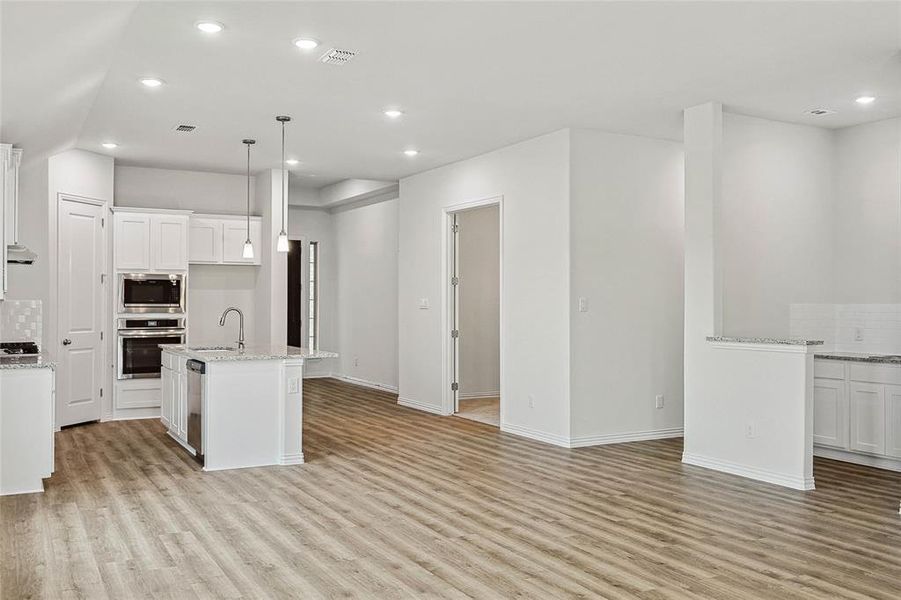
[293, 385]
[583, 304]
[531, 401]
[356, 361]
[658, 401]
[751, 430]
[424, 304]
[858, 334]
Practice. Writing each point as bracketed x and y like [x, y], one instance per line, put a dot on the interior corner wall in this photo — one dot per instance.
[270, 297]
[627, 224]
[533, 179]
[774, 222]
[478, 268]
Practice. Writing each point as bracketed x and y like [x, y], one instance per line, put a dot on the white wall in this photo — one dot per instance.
[867, 213]
[217, 193]
[478, 267]
[366, 267]
[533, 178]
[627, 247]
[775, 222]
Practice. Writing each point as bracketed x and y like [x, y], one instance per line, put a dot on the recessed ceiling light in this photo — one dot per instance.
[306, 43]
[151, 82]
[109, 145]
[292, 162]
[411, 152]
[866, 100]
[393, 113]
[209, 26]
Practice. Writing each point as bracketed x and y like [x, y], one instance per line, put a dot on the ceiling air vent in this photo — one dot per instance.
[337, 56]
[185, 128]
[819, 112]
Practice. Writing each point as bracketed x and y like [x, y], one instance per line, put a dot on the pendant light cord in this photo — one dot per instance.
[283, 176]
[248, 192]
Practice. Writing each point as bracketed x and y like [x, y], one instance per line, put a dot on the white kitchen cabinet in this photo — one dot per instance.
[169, 243]
[150, 241]
[174, 413]
[830, 419]
[893, 420]
[167, 380]
[219, 239]
[10, 158]
[205, 237]
[26, 429]
[867, 403]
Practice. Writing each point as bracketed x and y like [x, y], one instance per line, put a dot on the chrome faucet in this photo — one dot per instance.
[240, 324]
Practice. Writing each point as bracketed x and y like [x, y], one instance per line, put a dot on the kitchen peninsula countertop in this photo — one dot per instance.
[212, 353]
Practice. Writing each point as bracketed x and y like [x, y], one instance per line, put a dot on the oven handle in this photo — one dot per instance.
[138, 333]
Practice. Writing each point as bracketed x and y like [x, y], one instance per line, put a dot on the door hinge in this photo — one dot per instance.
[455, 280]
[455, 333]
[101, 336]
[102, 222]
[102, 278]
[101, 392]
[455, 386]
[455, 228]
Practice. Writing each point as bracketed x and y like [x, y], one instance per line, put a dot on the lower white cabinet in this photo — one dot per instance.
[857, 411]
[867, 402]
[174, 409]
[26, 429]
[830, 416]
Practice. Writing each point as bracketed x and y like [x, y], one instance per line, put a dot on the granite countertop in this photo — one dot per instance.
[212, 353]
[762, 340]
[889, 359]
[25, 362]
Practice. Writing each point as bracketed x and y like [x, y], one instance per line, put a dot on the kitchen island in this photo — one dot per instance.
[234, 408]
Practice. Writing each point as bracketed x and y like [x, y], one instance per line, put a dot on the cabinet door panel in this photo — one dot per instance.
[234, 235]
[169, 242]
[166, 379]
[132, 252]
[830, 413]
[205, 241]
[867, 417]
[893, 420]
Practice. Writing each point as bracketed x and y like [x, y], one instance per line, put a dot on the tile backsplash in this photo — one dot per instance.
[21, 321]
[872, 328]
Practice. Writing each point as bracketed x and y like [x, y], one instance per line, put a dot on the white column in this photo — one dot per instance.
[271, 291]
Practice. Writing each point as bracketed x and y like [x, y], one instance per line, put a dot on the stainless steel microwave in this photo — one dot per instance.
[152, 293]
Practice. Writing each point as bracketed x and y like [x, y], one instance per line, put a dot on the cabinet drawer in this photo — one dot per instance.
[876, 373]
[828, 369]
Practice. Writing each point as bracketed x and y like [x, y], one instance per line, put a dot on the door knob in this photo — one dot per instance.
[66, 342]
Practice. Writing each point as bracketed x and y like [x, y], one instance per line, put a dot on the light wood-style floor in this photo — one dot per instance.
[483, 410]
[395, 503]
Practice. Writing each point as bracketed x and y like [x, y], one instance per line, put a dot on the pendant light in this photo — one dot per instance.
[282, 245]
[248, 245]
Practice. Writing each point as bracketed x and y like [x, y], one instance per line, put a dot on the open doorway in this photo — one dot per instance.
[295, 292]
[475, 265]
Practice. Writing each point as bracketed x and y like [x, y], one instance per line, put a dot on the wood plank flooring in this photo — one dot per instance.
[395, 503]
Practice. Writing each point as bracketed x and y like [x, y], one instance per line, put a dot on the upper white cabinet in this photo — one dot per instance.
[9, 205]
[219, 239]
[150, 241]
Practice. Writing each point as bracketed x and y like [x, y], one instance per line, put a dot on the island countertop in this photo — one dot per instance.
[211, 353]
[725, 339]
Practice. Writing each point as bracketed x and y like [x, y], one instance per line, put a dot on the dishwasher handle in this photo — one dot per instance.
[196, 366]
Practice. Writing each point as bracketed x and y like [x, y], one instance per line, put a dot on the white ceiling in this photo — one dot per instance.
[471, 76]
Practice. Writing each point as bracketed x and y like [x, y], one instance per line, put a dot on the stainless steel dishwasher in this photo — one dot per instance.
[196, 373]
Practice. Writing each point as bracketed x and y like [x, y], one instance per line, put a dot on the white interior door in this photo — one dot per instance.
[80, 312]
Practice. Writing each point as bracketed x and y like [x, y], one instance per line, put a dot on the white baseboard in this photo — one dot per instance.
[365, 383]
[430, 408]
[621, 438]
[880, 462]
[796, 482]
[292, 459]
[534, 434]
[477, 395]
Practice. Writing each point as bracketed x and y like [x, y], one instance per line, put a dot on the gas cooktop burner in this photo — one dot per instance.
[19, 348]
